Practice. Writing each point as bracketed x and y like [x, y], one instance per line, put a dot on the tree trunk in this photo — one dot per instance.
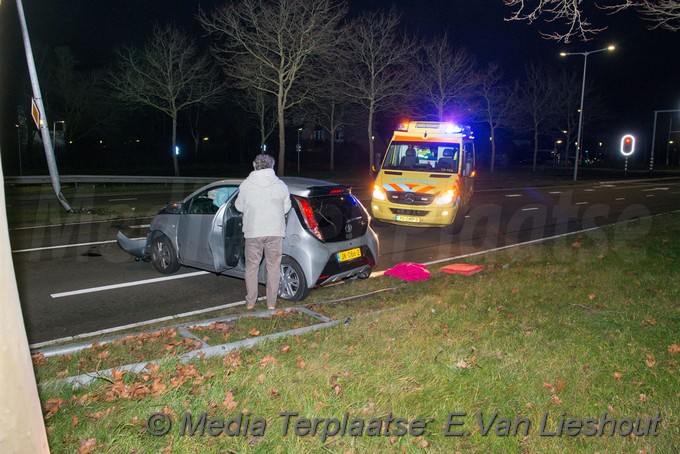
[282, 136]
[493, 148]
[535, 148]
[371, 148]
[332, 132]
[174, 144]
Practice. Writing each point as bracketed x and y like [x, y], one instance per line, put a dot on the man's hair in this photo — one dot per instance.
[263, 161]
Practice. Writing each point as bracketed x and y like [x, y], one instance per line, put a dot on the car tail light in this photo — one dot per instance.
[308, 216]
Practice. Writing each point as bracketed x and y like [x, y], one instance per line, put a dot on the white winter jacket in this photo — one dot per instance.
[264, 201]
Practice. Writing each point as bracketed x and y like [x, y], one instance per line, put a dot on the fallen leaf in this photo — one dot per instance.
[650, 361]
[462, 364]
[673, 349]
[260, 379]
[591, 296]
[549, 387]
[285, 349]
[87, 446]
[643, 397]
[649, 321]
[229, 403]
[103, 355]
[556, 400]
[300, 363]
[560, 385]
[51, 406]
[117, 374]
[618, 375]
[74, 421]
[274, 392]
[576, 245]
[337, 388]
[266, 360]
[254, 332]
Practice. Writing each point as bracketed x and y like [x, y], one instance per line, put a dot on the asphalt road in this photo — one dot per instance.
[74, 279]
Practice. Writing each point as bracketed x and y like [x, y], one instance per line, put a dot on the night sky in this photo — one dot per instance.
[641, 76]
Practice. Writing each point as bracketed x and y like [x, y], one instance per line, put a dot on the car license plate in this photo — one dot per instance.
[349, 254]
[408, 218]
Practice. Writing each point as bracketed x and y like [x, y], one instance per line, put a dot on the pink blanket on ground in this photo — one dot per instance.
[408, 271]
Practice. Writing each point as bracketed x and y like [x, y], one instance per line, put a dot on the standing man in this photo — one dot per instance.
[264, 201]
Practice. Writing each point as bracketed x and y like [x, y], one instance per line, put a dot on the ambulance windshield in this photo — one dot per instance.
[424, 157]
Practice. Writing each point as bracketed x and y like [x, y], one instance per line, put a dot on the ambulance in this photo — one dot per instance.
[427, 176]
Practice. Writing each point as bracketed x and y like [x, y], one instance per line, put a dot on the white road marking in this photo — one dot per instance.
[126, 284]
[581, 203]
[45, 248]
[49, 226]
[555, 192]
[140, 226]
[620, 198]
[589, 190]
[530, 209]
[655, 189]
[513, 195]
[649, 195]
[123, 200]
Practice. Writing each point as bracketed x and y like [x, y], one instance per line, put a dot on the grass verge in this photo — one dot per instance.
[578, 334]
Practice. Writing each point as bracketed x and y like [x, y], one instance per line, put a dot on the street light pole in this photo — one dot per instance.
[54, 132]
[583, 92]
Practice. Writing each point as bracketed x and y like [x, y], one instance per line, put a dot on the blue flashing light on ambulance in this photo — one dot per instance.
[427, 176]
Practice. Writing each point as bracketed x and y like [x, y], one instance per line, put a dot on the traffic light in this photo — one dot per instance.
[627, 145]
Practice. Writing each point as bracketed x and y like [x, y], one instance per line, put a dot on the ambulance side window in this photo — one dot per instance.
[468, 159]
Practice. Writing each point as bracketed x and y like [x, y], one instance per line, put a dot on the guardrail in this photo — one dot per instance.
[99, 179]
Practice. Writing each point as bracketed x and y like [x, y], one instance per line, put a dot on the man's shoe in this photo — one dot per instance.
[250, 306]
[271, 308]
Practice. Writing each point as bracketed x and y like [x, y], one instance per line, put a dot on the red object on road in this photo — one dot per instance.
[408, 271]
[462, 268]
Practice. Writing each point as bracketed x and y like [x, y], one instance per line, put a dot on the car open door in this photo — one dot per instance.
[226, 237]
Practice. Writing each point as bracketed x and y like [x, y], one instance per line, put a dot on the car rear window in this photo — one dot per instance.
[340, 216]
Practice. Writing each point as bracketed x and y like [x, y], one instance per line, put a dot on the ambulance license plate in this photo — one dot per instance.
[350, 254]
[408, 218]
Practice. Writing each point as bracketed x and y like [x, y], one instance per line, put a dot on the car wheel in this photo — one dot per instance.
[293, 284]
[163, 255]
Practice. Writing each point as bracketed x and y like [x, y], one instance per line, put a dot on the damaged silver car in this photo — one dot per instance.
[328, 237]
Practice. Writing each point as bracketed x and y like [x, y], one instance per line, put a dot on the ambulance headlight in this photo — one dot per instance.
[378, 193]
[444, 199]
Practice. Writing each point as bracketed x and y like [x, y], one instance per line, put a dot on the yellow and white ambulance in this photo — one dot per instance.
[427, 176]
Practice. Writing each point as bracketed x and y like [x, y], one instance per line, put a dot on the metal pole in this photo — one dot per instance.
[580, 116]
[44, 125]
[625, 168]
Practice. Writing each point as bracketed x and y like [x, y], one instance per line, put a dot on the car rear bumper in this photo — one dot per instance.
[133, 246]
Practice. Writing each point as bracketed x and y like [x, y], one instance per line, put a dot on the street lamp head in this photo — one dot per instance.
[563, 54]
[612, 47]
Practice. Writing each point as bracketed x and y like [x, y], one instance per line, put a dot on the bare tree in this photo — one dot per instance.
[262, 105]
[447, 79]
[499, 104]
[572, 14]
[168, 75]
[663, 14]
[270, 45]
[538, 100]
[377, 74]
[79, 97]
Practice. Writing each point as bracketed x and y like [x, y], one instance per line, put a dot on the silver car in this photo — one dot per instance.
[328, 237]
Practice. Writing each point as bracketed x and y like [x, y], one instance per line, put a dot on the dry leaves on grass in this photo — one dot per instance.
[267, 360]
[674, 349]
[229, 403]
[51, 406]
[87, 446]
